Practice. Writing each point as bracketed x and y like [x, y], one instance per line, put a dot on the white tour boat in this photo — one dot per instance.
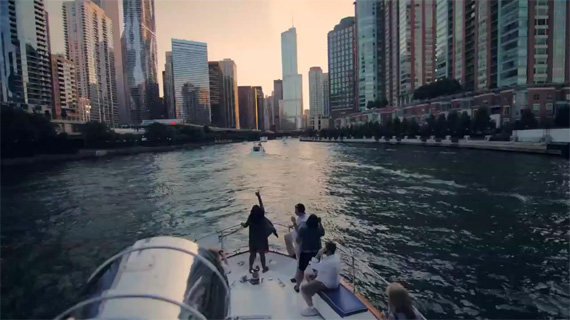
[174, 278]
[263, 139]
[257, 149]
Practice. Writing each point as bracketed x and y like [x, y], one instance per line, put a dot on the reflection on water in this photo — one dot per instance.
[471, 233]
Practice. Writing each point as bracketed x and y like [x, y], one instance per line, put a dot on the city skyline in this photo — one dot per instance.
[222, 25]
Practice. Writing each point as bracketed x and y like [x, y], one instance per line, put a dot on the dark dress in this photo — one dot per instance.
[310, 245]
[260, 228]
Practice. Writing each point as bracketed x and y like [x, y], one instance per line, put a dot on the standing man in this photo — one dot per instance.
[291, 237]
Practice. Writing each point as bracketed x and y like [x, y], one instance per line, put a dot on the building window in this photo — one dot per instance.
[549, 97]
[549, 108]
[536, 97]
[506, 110]
[536, 108]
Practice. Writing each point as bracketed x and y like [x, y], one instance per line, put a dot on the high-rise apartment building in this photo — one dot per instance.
[277, 96]
[191, 81]
[316, 91]
[342, 60]
[513, 48]
[259, 106]
[64, 81]
[25, 73]
[370, 46]
[326, 94]
[391, 52]
[216, 94]
[230, 94]
[168, 87]
[89, 44]
[269, 110]
[417, 26]
[111, 8]
[444, 39]
[251, 103]
[486, 44]
[292, 82]
[140, 60]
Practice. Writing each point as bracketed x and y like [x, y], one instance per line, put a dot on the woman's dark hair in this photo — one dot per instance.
[257, 214]
[313, 222]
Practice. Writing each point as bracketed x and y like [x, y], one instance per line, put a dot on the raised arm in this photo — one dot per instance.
[258, 194]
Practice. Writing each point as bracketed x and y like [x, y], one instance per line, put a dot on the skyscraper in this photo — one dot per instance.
[342, 59]
[168, 87]
[25, 75]
[140, 59]
[64, 80]
[292, 82]
[316, 92]
[230, 93]
[269, 110]
[370, 31]
[216, 94]
[417, 46]
[326, 94]
[259, 107]
[277, 96]
[444, 39]
[88, 43]
[191, 81]
[486, 64]
[250, 103]
[391, 52]
[111, 8]
[513, 43]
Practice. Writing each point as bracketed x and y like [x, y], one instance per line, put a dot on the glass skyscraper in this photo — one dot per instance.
[140, 63]
[292, 83]
[191, 81]
[513, 42]
[25, 74]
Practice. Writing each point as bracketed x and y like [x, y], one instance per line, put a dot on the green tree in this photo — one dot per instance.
[439, 88]
[481, 120]
[405, 127]
[157, 133]
[397, 126]
[97, 134]
[414, 128]
[527, 121]
[464, 127]
[430, 124]
[452, 123]
[562, 118]
[440, 126]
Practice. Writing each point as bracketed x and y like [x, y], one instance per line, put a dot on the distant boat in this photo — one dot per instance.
[257, 150]
[263, 139]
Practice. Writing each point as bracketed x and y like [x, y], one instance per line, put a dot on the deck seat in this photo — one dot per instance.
[343, 302]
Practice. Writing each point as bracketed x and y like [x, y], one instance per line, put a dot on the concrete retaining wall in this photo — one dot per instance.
[559, 135]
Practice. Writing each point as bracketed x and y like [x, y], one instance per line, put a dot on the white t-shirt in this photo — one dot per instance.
[301, 222]
[328, 271]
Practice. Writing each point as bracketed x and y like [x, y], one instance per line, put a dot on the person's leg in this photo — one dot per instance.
[262, 258]
[303, 263]
[309, 289]
[251, 259]
[289, 244]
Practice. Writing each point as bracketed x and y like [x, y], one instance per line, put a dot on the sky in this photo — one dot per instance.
[246, 31]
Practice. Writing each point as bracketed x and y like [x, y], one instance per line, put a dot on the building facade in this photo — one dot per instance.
[391, 52]
[316, 92]
[326, 94]
[292, 82]
[140, 60]
[269, 110]
[168, 87]
[371, 54]
[191, 81]
[25, 72]
[250, 106]
[89, 44]
[342, 61]
[216, 97]
[230, 94]
[64, 81]
[417, 26]
[444, 39]
[277, 96]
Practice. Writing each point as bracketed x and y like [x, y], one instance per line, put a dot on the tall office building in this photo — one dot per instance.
[269, 110]
[316, 92]
[168, 87]
[140, 59]
[277, 96]
[342, 60]
[230, 94]
[371, 57]
[25, 74]
[444, 39]
[251, 103]
[64, 80]
[292, 82]
[486, 48]
[391, 52]
[417, 46]
[191, 81]
[216, 94]
[88, 43]
[111, 8]
[513, 43]
[259, 106]
[326, 94]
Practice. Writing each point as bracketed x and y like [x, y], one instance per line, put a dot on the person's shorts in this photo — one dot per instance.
[313, 287]
[304, 259]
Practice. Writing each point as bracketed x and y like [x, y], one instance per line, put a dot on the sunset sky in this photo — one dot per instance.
[247, 31]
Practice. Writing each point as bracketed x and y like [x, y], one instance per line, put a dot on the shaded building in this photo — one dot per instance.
[292, 102]
[140, 60]
[277, 96]
[391, 52]
[316, 91]
[216, 94]
[230, 105]
[25, 71]
[326, 94]
[168, 87]
[64, 80]
[191, 81]
[269, 109]
[370, 47]
[342, 59]
[259, 107]
[89, 44]
[247, 107]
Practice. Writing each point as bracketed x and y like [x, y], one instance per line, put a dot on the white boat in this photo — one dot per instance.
[263, 139]
[257, 150]
[170, 278]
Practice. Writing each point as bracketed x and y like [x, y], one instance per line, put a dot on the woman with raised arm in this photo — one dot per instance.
[260, 228]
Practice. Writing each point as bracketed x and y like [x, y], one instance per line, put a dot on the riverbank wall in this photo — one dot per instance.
[508, 146]
[99, 153]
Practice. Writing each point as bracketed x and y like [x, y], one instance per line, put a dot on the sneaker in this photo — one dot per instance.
[293, 280]
[309, 312]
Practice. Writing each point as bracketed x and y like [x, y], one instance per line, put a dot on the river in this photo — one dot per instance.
[472, 234]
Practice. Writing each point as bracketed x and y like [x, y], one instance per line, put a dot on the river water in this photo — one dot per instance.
[472, 234]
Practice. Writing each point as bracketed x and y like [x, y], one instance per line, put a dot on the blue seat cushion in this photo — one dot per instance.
[344, 302]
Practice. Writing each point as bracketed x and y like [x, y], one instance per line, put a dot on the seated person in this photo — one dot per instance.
[327, 272]
[400, 304]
